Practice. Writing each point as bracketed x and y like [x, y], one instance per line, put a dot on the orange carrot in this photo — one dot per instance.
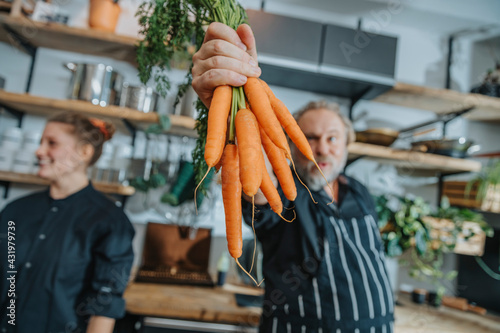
[217, 124]
[271, 193]
[231, 196]
[292, 128]
[280, 166]
[268, 90]
[249, 150]
[216, 129]
[261, 107]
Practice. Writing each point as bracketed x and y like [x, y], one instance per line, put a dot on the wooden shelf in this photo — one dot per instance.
[411, 160]
[442, 101]
[24, 178]
[61, 37]
[48, 106]
[185, 126]
[5, 6]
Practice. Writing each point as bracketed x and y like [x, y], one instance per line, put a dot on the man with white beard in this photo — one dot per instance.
[328, 133]
[324, 272]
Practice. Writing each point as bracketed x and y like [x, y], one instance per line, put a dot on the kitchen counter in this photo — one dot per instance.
[218, 305]
[422, 318]
[215, 305]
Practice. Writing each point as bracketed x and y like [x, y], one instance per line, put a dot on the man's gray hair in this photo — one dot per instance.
[334, 107]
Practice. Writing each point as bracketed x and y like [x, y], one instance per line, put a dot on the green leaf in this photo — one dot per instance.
[393, 248]
[421, 241]
[445, 202]
[451, 275]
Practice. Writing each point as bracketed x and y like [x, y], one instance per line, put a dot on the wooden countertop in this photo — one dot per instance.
[422, 318]
[218, 305]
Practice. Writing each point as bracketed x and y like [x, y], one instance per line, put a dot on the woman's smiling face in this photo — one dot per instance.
[59, 154]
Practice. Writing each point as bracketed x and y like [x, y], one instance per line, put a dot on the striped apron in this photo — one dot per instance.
[350, 291]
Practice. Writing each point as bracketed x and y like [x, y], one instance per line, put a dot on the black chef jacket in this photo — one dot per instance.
[72, 260]
[325, 271]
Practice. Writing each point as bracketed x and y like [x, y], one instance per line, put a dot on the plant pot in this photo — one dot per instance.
[103, 15]
[434, 299]
[491, 202]
[418, 296]
[392, 266]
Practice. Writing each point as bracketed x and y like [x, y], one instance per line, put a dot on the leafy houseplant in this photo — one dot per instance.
[488, 187]
[173, 27]
[404, 230]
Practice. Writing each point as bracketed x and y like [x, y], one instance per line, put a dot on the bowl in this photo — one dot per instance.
[377, 136]
[459, 147]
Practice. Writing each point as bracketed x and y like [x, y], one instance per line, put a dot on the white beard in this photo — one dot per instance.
[313, 178]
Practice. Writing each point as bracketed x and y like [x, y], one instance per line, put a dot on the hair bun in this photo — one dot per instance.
[105, 128]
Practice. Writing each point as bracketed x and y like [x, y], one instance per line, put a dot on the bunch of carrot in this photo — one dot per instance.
[256, 121]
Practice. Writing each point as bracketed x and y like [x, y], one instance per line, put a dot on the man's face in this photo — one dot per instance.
[326, 134]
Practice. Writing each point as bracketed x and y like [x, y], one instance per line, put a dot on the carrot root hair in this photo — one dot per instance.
[196, 189]
[300, 180]
[294, 216]
[250, 276]
[331, 188]
[254, 237]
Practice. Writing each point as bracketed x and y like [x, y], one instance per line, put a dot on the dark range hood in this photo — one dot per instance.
[323, 58]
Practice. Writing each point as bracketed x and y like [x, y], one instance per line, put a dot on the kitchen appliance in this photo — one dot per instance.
[176, 254]
[460, 147]
[140, 98]
[99, 84]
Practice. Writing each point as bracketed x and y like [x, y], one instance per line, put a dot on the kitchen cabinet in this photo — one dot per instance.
[310, 56]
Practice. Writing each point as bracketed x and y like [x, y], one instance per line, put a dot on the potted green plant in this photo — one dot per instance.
[488, 187]
[404, 228]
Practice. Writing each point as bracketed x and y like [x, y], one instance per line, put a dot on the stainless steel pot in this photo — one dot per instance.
[97, 83]
[186, 106]
[139, 97]
[460, 147]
